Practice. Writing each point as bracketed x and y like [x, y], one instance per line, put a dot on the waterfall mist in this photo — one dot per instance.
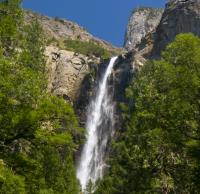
[99, 126]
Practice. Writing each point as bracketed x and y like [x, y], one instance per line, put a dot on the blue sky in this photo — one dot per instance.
[106, 19]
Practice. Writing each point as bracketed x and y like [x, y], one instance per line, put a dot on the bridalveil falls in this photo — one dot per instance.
[99, 126]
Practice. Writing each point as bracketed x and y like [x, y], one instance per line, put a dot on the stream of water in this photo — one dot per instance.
[99, 127]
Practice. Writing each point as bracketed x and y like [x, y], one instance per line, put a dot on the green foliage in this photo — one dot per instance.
[87, 48]
[39, 132]
[9, 182]
[159, 150]
[184, 51]
[32, 56]
[90, 187]
[10, 18]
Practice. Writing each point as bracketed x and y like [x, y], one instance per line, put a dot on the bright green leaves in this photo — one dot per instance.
[165, 182]
[159, 150]
[166, 113]
[33, 56]
[10, 19]
[184, 51]
[9, 182]
[54, 139]
[87, 48]
[39, 132]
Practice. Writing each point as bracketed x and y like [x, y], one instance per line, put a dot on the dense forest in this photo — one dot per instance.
[157, 151]
[38, 131]
[159, 148]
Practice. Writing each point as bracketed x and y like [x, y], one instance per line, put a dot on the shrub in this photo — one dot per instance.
[86, 48]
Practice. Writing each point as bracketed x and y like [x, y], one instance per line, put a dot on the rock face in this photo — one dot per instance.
[66, 71]
[119, 80]
[180, 16]
[141, 22]
[64, 29]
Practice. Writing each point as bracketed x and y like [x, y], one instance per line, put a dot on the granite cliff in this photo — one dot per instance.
[149, 37]
[66, 70]
[142, 21]
[67, 62]
[142, 25]
[180, 16]
[61, 29]
[149, 31]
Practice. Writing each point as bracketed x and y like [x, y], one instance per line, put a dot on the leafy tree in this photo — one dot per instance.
[10, 19]
[33, 56]
[159, 150]
[9, 182]
[87, 48]
[39, 132]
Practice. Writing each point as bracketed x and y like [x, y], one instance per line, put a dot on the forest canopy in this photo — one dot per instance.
[159, 148]
[39, 132]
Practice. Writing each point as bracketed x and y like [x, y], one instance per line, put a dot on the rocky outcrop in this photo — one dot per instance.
[142, 21]
[74, 76]
[122, 75]
[180, 16]
[119, 80]
[66, 71]
[62, 29]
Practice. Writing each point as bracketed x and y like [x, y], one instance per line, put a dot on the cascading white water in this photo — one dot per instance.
[99, 128]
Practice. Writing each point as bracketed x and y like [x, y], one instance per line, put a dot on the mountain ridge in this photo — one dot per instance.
[59, 28]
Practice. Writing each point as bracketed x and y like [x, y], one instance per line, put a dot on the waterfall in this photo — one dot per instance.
[99, 126]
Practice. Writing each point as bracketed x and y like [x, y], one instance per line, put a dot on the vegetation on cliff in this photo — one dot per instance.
[158, 152]
[78, 46]
[38, 131]
[87, 48]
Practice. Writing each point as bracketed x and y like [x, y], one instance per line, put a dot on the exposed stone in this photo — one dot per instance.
[141, 22]
[66, 71]
[180, 16]
[122, 75]
[138, 61]
[119, 80]
[64, 29]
